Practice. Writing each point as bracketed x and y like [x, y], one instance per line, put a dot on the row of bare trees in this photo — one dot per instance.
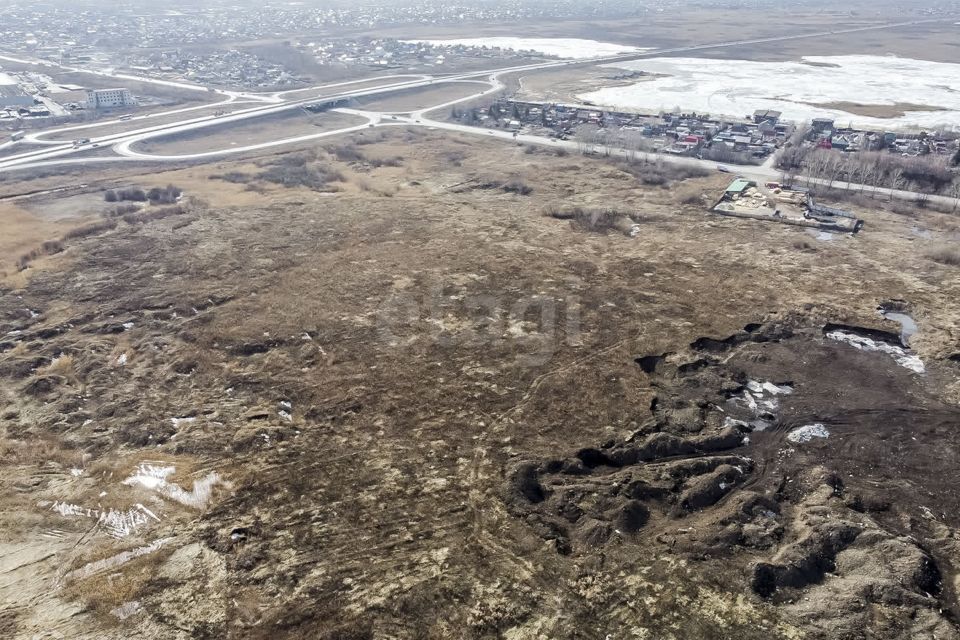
[877, 169]
[929, 174]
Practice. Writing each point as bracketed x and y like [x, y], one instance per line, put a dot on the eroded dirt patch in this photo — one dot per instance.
[816, 523]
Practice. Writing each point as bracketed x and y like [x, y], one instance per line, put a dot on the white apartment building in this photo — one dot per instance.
[109, 98]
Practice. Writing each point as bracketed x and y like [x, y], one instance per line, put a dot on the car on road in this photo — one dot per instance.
[723, 169]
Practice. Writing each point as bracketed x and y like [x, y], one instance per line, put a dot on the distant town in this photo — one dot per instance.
[747, 140]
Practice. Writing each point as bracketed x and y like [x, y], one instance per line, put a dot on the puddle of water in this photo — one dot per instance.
[908, 326]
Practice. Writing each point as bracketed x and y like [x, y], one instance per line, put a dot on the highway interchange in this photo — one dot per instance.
[55, 147]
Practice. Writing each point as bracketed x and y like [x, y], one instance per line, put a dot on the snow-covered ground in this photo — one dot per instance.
[6, 79]
[570, 48]
[739, 87]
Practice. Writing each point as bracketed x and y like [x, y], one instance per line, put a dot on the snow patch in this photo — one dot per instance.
[154, 478]
[899, 354]
[117, 524]
[807, 433]
[760, 398]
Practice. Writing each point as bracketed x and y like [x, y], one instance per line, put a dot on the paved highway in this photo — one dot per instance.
[54, 152]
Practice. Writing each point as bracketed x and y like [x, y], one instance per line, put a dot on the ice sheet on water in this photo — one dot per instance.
[802, 90]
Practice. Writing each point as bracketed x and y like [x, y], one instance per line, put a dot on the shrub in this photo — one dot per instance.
[393, 161]
[662, 174]
[235, 177]
[597, 220]
[122, 210]
[166, 195]
[90, 229]
[153, 214]
[300, 176]
[518, 187]
[348, 153]
[110, 196]
[945, 254]
[48, 248]
[133, 194]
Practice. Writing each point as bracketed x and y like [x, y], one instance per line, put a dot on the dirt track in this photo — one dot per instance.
[414, 411]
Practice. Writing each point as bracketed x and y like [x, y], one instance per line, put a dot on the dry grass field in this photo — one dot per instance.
[290, 124]
[411, 402]
[422, 98]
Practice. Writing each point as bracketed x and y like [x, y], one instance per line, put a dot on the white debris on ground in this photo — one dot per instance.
[187, 420]
[122, 359]
[807, 433]
[761, 399]
[899, 354]
[154, 478]
[126, 610]
[114, 561]
[117, 524]
[570, 48]
[802, 90]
